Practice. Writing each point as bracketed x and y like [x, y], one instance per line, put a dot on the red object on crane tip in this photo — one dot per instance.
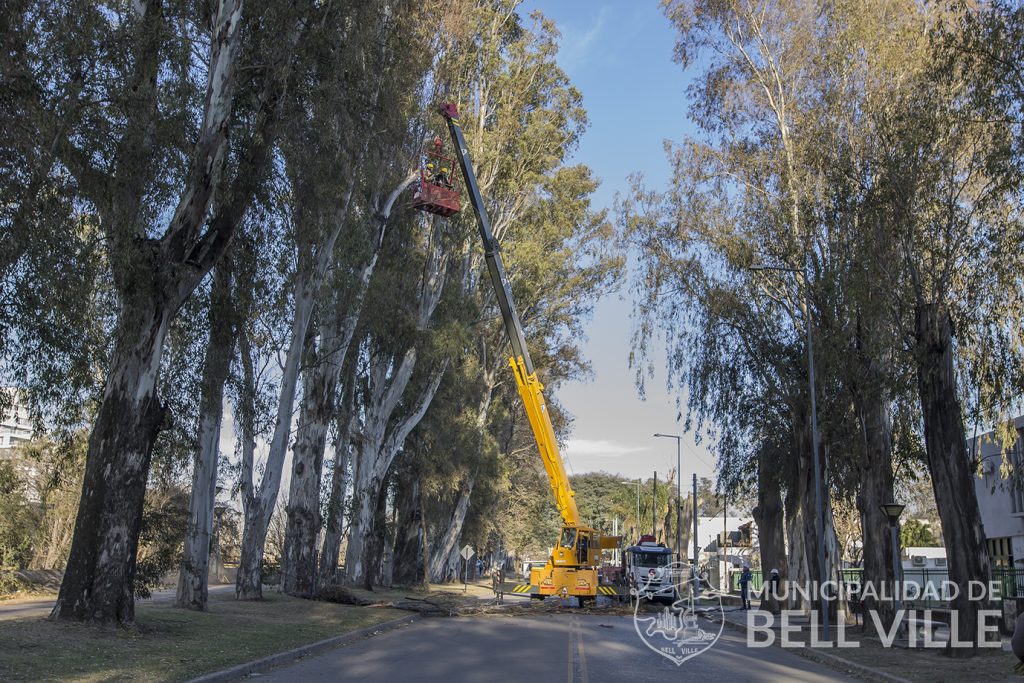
[449, 110]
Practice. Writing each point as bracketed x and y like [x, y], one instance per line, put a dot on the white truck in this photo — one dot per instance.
[650, 570]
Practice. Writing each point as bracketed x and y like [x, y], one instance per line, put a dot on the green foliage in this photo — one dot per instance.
[917, 534]
[19, 519]
[161, 540]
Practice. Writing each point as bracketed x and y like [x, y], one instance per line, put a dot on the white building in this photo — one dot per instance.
[15, 426]
[929, 558]
[1001, 499]
[726, 544]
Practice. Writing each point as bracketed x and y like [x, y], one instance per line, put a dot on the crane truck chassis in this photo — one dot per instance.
[571, 570]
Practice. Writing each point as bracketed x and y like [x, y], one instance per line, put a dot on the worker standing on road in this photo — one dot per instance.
[745, 577]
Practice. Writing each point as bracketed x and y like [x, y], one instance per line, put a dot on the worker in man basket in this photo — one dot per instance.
[444, 178]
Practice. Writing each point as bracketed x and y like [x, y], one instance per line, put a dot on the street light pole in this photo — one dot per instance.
[679, 493]
[819, 526]
[893, 512]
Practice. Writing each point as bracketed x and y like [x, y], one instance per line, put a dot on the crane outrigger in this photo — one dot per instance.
[571, 569]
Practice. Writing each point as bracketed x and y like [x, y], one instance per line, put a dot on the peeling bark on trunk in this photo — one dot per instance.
[408, 563]
[313, 265]
[298, 563]
[797, 569]
[949, 465]
[375, 536]
[447, 544]
[770, 519]
[98, 580]
[375, 454]
[316, 412]
[248, 583]
[334, 530]
[153, 278]
[193, 576]
[876, 489]
[249, 580]
[384, 427]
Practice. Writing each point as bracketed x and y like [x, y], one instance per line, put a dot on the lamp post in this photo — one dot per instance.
[893, 512]
[679, 493]
[819, 517]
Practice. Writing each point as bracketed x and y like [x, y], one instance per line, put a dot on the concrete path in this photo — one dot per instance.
[16, 609]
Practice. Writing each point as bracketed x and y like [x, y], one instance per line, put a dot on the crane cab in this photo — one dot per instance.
[438, 192]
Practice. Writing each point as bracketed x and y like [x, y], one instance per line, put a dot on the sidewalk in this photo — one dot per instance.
[36, 607]
[863, 654]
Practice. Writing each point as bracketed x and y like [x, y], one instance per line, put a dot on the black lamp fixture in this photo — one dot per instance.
[892, 511]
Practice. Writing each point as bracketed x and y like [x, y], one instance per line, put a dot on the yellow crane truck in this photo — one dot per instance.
[571, 570]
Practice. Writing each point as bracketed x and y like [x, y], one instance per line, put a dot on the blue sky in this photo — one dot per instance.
[619, 55]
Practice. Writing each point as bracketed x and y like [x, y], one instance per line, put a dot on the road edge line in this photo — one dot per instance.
[269, 662]
[831, 660]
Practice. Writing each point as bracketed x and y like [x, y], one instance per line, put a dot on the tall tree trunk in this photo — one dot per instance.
[298, 563]
[876, 489]
[770, 519]
[365, 491]
[195, 562]
[375, 534]
[154, 277]
[448, 542]
[249, 579]
[799, 555]
[949, 465]
[330, 551]
[408, 562]
[248, 583]
[99, 577]
[314, 260]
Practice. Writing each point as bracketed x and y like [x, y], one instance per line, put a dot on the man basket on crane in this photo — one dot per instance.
[438, 190]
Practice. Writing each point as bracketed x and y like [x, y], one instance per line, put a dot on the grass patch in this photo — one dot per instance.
[174, 644]
[931, 666]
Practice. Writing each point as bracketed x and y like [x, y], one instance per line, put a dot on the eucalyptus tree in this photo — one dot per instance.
[401, 369]
[522, 118]
[949, 182]
[388, 167]
[135, 104]
[360, 52]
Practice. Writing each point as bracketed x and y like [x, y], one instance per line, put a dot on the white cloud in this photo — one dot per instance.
[575, 49]
[589, 448]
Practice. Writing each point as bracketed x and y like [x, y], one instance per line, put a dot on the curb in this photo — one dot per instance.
[832, 660]
[264, 664]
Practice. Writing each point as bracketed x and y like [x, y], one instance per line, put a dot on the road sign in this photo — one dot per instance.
[467, 552]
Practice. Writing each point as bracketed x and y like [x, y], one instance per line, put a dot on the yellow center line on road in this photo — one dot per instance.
[583, 658]
[577, 674]
[572, 669]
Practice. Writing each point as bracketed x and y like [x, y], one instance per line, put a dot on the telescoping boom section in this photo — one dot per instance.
[572, 568]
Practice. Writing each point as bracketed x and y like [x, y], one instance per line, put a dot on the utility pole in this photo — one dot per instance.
[696, 555]
[654, 507]
[679, 493]
[725, 543]
[819, 495]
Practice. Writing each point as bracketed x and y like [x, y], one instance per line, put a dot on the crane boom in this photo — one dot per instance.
[530, 388]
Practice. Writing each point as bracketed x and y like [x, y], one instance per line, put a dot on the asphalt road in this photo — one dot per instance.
[562, 647]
